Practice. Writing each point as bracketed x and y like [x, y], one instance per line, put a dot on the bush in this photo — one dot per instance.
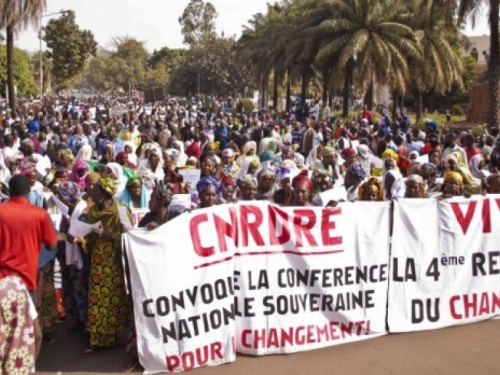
[457, 110]
[478, 131]
[245, 106]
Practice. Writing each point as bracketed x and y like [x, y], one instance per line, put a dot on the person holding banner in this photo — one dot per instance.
[207, 190]
[453, 185]
[109, 306]
[493, 183]
[415, 187]
[371, 190]
[75, 263]
[135, 195]
[302, 188]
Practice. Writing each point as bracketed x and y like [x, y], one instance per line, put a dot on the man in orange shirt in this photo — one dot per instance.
[23, 230]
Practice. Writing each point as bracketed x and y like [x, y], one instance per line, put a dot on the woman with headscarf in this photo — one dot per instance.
[267, 159]
[453, 163]
[226, 190]
[207, 191]
[350, 158]
[492, 183]
[266, 179]
[314, 157]
[302, 189]
[79, 172]
[129, 147]
[176, 181]
[453, 185]
[478, 167]
[354, 176]
[75, 263]
[371, 190]
[66, 158]
[84, 153]
[228, 165]
[249, 153]
[107, 154]
[248, 187]
[323, 181]
[182, 158]
[364, 158]
[135, 194]
[159, 203]
[122, 159]
[429, 173]
[109, 307]
[152, 171]
[115, 170]
[415, 187]
[394, 185]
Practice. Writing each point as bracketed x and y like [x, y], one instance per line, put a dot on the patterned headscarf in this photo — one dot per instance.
[327, 151]
[108, 185]
[248, 180]
[389, 154]
[206, 183]
[78, 166]
[454, 175]
[358, 171]
[134, 181]
[348, 152]
[266, 156]
[68, 154]
[303, 178]
[323, 176]
[371, 182]
[69, 190]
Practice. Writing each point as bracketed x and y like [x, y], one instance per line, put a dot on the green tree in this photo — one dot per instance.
[101, 73]
[198, 22]
[168, 56]
[214, 68]
[439, 66]
[23, 72]
[46, 69]
[16, 15]
[367, 41]
[131, 60]
[69, 47]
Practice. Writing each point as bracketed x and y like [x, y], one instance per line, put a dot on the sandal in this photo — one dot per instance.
[86, 353]
[130, 365]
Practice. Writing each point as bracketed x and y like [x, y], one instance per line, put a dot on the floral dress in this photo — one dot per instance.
[109, 307]
[17, 336]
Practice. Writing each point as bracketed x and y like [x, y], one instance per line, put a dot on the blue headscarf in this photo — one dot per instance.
[127, 198]
[207, 182]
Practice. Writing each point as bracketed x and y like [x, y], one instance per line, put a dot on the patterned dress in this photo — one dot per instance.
[17, 336]
[109, 306]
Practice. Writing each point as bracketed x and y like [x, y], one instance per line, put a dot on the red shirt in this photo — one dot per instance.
[23, 230]
[470, 152]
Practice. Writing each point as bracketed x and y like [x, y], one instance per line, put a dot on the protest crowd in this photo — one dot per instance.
[84, 172]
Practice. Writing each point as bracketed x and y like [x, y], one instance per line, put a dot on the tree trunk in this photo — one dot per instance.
[494, 67]
[10, 70]
[347, 86]
[395, 104]
[326, 81]
[368, 101]
[275, 91]
[305, 83]
[288, 90]
[420, 105]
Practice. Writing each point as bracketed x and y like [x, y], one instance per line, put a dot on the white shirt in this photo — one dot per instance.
[317, 139]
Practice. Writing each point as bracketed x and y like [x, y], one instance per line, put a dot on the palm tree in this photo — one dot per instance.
[365, 40]
[15, 16]
[439, 66]
[471, 8]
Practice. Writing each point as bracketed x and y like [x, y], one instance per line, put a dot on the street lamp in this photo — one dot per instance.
[41, 52]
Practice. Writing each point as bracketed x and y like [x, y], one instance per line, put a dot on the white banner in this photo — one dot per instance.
[258, 279]
[445, 266]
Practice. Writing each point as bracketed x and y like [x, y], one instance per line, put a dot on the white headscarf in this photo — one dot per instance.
[398, 187]
[120, 179]
[474, 167]
[84, 153]
[132, 158]
[182, 158]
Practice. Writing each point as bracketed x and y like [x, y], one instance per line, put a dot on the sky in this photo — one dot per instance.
[155, 21]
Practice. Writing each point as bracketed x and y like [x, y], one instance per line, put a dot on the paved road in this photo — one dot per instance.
[471, 349]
